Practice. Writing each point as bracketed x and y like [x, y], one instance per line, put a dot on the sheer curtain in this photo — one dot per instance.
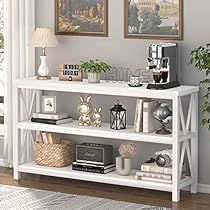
[20, 56]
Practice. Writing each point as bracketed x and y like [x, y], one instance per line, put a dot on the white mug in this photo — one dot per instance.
[135, 81]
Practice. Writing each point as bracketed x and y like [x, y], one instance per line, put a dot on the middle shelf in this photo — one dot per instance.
[102, 132]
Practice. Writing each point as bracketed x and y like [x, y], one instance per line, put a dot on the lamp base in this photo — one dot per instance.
[43, 71]
[43, 77]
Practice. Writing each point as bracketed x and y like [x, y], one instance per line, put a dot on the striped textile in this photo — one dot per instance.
[19, 198]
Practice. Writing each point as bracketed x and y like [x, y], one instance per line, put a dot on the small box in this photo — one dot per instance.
[94, 153]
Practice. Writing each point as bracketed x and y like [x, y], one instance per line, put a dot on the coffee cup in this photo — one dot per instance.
[135, 81]
[157, 76]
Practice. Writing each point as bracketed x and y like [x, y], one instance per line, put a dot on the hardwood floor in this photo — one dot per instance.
[190, 202]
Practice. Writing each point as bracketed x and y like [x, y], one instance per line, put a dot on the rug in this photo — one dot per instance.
[20, 198]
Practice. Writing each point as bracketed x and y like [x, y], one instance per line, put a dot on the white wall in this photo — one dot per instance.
[130, 53]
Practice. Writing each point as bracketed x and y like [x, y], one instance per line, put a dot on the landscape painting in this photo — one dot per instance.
[154, 19]
[82, 17]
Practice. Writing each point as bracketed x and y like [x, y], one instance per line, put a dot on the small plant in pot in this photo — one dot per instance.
[93, 68]
[200, 58]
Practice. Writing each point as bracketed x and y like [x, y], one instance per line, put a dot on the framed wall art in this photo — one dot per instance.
[154, 19]
[81, 17]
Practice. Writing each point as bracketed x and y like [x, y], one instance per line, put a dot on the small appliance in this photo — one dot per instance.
[163, 62]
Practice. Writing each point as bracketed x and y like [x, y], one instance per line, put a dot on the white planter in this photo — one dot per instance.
[94, 77]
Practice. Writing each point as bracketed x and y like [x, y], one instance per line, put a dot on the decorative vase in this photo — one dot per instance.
[94, 77]
[123, 166]
[43, 71]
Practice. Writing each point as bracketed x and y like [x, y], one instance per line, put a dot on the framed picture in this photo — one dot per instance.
[154, 19]
[49, 104]
[81, 17]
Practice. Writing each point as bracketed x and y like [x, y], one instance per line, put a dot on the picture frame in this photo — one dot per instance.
[48, 104]
[166, 16]
[87, 19]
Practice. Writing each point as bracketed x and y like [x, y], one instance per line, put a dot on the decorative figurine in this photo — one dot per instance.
[85, 110]
[118, 117]
[97, 117]
[164, 158]
[127, 151]
[163, 114]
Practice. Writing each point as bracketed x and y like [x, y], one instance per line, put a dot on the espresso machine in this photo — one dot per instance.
[163, 62]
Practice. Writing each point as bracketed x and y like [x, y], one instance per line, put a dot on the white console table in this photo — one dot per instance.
[184, 138]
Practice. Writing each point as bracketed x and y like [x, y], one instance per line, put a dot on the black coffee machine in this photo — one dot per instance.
[163, 62]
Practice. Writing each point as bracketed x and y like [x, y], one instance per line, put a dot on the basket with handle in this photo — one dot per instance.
[54, 155]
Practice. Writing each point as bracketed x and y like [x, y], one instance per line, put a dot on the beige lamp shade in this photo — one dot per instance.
[44, 37]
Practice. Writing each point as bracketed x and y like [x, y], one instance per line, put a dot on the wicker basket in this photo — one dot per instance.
[54, 155]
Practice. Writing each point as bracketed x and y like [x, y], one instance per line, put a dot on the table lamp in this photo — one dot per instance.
[43, 37]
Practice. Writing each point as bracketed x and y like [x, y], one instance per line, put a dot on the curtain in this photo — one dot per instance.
[20, 56]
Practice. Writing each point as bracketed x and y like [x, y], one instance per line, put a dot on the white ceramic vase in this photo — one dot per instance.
[94, 77]
[123, 165]
[43, 70]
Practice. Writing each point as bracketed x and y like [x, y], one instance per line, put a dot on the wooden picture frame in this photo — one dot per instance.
[67, 28]
[153, 35]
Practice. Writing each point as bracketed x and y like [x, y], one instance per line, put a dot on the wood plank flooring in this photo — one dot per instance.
[190, 202]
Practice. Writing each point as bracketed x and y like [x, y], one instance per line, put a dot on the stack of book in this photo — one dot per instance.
[152, 172]
[54, 119]
[144, 120]
[48, 138]
[93, 168]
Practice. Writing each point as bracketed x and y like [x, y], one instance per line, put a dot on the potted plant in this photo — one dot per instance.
[200, 58]
[93, 68]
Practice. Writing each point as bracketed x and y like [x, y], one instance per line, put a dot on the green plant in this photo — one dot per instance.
[94, 66]
[200, 58]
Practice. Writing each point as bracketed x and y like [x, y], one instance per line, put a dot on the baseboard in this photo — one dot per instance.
[4, 163]
[204, 188]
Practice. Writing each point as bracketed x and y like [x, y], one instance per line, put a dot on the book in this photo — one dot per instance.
[44, 138]
[93, 165]
[53, 122]
[138, 122]
[152, 167]
[92, 169]
[39, 139]
[56, 138]
[150, 124]
[153, 179]
[154, 175]
[50, 139]
[57, 116]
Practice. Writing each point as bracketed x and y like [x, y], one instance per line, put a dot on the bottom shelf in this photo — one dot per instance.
[110, 178]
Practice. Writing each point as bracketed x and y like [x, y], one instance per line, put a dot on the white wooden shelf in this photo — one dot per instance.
[103, 132]
[183, 140]
[110, 178]
[103, 88]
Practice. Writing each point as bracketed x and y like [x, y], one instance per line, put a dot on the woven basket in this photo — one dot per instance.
[54, 155]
